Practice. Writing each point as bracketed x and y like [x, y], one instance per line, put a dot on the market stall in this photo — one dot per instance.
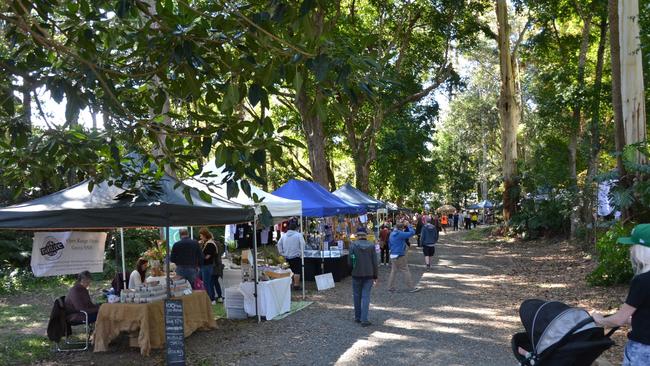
[485, 207]
[318, 203]
[105, 206]
[350, 194]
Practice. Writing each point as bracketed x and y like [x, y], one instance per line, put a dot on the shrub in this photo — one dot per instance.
[613, 259]
[543, 218]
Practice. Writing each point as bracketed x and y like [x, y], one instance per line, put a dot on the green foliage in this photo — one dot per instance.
[136, 242]
[636, 196]
[613, 259]
[545, 217]
[14, 280]
[15, 248]
[403, 168]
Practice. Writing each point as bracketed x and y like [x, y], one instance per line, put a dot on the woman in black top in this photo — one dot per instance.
[209, 249]
[636, 309]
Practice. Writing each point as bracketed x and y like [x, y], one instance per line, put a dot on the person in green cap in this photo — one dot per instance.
[636, 309]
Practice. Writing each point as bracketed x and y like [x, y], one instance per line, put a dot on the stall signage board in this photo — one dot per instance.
[70, 252]
[174, 333]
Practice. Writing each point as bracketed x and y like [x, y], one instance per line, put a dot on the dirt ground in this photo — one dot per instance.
[464, 315]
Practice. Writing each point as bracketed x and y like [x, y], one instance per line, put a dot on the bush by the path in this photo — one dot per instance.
[613, 259]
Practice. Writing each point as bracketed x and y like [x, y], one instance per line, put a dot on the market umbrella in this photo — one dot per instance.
[446, 209]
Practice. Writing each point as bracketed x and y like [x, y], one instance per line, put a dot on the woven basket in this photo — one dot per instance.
[273, 275]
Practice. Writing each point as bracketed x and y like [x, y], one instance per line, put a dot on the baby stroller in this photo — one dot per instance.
[558, 335]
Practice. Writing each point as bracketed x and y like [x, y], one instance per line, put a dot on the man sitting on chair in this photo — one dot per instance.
[78, 299]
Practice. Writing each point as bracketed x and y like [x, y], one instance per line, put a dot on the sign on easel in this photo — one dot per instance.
[174, 332]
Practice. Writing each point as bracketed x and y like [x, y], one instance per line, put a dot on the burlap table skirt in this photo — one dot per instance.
[145, 323]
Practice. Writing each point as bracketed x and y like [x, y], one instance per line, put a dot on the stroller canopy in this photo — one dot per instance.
[547, 322]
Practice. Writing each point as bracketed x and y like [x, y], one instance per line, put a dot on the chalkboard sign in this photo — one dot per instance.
[174, 335]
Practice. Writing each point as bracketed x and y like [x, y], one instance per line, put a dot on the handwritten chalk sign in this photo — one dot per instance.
[174, 334]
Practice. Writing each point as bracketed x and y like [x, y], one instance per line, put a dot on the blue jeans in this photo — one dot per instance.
[361, 294]
[206, 276]
[187, 272]
[636, 354]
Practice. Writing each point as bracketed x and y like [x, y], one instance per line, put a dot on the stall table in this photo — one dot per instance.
[274, 297]
[317, 263]
[145, 323]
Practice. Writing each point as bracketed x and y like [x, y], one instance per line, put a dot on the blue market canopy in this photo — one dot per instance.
[481, 205]
[105, 206]
[350, 194]
[316, 200]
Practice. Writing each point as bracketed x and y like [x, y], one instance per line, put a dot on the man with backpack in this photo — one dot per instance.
[428, 240]
[364, 262]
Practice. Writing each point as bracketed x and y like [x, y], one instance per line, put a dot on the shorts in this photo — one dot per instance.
[429, 251]
[296, 265]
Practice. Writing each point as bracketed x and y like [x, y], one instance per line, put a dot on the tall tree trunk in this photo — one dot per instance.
[509, 111]
[484, 161]
[314, 135]
[617, 102]
[632, 93]
[589, 191]
[576, 129]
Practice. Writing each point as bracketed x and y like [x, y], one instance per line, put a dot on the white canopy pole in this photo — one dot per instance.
[257, 312]
[124, 284]
[302, 259]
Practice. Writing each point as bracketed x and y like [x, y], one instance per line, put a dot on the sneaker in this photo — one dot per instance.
[357, 320]
[220, 299]
[366, 324]
[391, 290]
[415, 289]
[214, 302]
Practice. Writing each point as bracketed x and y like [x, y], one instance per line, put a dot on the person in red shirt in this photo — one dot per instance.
[384, 233]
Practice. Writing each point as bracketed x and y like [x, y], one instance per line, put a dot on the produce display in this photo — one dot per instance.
[155, 291]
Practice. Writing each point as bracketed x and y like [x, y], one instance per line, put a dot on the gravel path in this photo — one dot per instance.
[459, 318]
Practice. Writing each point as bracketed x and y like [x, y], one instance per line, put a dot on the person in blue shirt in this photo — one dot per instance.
[399, 261]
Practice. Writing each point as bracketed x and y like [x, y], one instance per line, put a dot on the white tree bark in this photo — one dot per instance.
[509, 110]
[631, 73]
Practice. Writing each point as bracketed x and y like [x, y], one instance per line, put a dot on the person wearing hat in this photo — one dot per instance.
[365, 264]
[636, 309]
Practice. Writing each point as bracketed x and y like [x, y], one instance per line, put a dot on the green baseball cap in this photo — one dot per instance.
[640, 236]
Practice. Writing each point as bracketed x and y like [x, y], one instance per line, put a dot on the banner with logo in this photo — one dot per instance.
[61, 253]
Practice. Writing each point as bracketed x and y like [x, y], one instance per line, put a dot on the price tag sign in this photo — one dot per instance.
[174, 333]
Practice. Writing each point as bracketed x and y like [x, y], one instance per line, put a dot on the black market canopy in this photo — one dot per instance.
[350, 194]
[107, 207]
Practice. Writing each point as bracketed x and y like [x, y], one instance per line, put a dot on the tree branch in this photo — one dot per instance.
[520, 38]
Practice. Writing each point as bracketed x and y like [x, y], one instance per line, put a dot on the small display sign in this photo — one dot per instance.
[174, 332]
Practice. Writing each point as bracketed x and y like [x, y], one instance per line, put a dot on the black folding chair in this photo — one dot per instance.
[68, 343]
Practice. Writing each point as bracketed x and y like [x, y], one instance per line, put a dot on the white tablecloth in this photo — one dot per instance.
[274, 297]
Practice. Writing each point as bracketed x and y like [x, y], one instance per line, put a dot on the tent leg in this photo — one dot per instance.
[169, 289]
[302, 261]
[123, 260]
[257, 312]
[192, 232]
